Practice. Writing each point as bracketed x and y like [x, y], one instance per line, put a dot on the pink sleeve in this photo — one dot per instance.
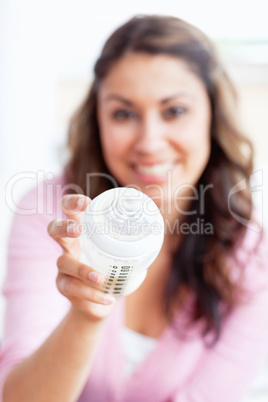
[225, 372]
[34, 306]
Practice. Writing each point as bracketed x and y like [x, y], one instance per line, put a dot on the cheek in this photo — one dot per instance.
[115, 148]
[192, 140]
[197, 136]
[199, 149]
[199, 154]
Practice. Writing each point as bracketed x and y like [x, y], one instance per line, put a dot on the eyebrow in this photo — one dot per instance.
[162, 101]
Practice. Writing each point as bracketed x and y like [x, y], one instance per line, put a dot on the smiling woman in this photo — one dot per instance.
[158, 117]
[148, 67]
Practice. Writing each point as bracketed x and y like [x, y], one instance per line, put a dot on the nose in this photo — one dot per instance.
[151, 137]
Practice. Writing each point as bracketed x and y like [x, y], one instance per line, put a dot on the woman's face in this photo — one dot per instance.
[154, 118]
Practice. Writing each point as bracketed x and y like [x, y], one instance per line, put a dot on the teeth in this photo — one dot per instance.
[154, 170]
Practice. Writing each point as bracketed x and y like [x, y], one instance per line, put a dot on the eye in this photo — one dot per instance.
[123, 114]
[174, 111]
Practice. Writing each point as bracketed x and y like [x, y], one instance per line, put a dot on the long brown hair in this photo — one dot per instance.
[200, 261]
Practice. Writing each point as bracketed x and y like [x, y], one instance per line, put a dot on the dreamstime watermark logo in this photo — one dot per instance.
[185, 200]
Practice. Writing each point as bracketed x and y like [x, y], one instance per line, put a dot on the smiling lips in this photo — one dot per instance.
[153, 172]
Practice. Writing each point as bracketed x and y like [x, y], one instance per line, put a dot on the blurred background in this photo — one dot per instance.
[47, 52]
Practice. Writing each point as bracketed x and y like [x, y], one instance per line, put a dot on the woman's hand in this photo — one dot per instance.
[75, 279]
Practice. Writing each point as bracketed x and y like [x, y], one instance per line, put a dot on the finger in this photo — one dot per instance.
[68, 266]
[64, 231]
[64, 228]
[72, 287]
[73, 205]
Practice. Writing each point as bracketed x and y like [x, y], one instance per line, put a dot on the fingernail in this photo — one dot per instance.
[81, 203]
[71, 228]
[65, 202]
[108, 299]
[95, 277]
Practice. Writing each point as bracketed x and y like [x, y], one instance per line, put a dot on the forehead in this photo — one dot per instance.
[142, 75]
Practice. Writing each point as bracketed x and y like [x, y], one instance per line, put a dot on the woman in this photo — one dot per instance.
[158, 117]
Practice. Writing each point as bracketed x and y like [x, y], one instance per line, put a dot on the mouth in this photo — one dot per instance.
[156, 172]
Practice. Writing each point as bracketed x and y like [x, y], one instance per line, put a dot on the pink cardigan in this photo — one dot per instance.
[177, 370]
